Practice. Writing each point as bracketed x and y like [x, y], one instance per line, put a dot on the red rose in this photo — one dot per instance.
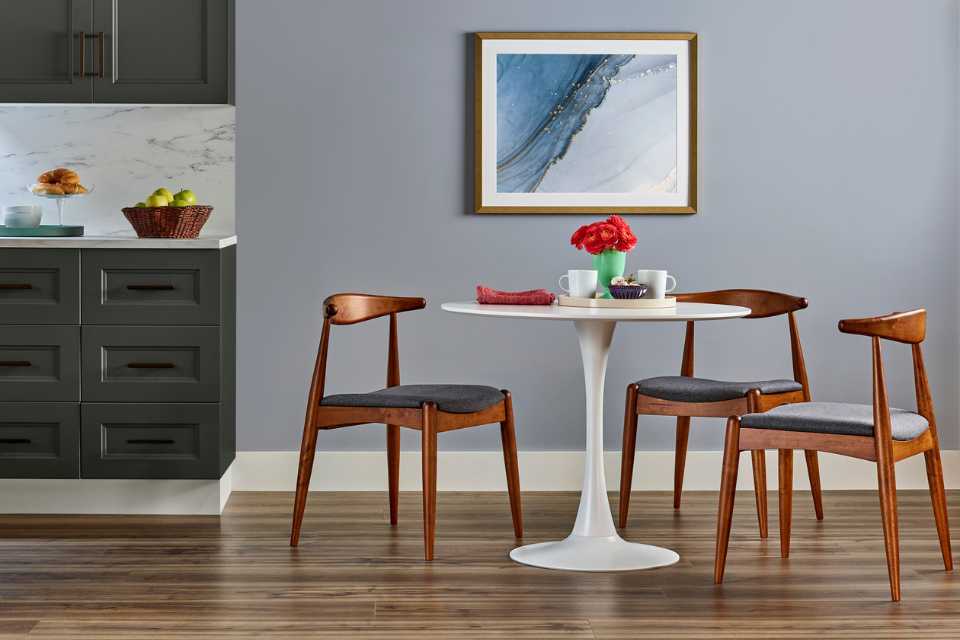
[627, 240]
[592, 243]
[577, 238]
[618, 222]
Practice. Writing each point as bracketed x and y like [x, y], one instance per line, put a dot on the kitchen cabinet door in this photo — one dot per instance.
[163, 51]
[46, 51]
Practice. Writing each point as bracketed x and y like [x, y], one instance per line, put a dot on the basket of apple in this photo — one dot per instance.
[168, 215]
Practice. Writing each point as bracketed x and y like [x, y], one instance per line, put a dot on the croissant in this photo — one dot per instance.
[47, 177]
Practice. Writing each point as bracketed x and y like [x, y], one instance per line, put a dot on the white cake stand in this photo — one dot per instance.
[594, 544]
[61, 200]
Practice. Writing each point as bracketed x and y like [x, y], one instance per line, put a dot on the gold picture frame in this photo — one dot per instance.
[487, 200]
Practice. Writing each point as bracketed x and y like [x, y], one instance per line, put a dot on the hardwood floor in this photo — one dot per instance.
[355, 577]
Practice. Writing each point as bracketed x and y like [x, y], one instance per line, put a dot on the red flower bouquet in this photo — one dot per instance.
[608, 242]
[612, 234]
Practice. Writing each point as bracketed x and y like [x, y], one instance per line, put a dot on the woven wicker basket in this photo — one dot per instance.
[167, 222]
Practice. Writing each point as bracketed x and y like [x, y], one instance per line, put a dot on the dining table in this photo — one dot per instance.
[594, 543]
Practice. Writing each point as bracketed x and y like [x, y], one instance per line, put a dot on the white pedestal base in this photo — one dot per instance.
[585, 553]
[594, 544]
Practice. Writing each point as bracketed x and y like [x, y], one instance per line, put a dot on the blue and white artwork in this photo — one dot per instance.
[586, 128]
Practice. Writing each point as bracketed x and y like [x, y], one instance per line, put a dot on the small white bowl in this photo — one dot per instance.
[26, 216]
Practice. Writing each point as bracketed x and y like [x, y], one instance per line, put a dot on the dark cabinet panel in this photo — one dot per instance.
[39, 286]
[151, 364]
[169, 51]
[39, 363]
[39, 440]
[165, 286]
[150, 441]
[40, 50]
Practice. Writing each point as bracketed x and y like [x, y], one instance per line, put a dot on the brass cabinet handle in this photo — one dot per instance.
[83, 54]
[151, 365]
[100, 39]
[15, 440]
[151, 287]
[15, 363]
[16, 285]
[149, 441]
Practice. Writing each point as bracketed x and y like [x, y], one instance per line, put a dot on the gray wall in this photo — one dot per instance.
[828, 168]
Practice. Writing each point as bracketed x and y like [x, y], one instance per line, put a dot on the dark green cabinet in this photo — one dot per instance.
[115, 51]
[125, 372]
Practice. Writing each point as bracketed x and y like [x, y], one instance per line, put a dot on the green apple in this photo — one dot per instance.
[186, 195]
[140, 204]
[163, 191]
[157, 200]
[177, 202]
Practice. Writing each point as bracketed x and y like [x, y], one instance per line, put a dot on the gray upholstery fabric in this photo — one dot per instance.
[835, 417]
[452, 398]
[684, 389]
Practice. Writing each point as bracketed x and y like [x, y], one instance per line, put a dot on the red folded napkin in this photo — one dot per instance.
[486, 295]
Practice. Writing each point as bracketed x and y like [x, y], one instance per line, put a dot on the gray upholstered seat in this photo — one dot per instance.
[686, 389]
[835, 417]
[452, 398]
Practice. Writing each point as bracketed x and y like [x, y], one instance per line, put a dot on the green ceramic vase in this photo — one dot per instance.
[609, 264]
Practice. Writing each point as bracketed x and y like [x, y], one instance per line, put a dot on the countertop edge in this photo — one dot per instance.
[118, 242]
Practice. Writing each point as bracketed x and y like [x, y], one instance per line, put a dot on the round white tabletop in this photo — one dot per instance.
[594, 544]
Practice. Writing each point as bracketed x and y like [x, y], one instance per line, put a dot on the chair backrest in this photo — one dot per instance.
[908, 327]
[353, 308]
[762, 304]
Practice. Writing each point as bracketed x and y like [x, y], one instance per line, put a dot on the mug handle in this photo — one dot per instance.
[674, 286]
[565, 289]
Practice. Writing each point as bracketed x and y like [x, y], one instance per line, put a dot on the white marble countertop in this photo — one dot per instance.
[118, 242]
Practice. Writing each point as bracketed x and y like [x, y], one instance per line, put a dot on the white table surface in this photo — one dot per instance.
[594, 544]
[683, 311]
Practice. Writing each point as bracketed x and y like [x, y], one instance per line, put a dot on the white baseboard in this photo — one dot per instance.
[116, 497]
[457, 471]
[557, 471]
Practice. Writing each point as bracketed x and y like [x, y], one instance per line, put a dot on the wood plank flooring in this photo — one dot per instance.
[353, 576]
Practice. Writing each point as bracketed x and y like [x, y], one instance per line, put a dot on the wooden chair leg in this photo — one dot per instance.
[680, 458]
[308, 448]
[508, 439]
[939, 499]
[393, 471]
[728, 492]
[813, 472]
[628, 453]
[758, 458]
[891, 532]
[785, 464]
[428, 453]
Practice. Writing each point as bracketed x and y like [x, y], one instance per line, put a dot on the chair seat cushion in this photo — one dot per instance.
[452, 398]
[685, 389]
[835, 417]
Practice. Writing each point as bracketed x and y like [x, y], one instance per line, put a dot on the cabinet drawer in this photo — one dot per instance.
[150, 441]
[39, 440]
[150, 287]
[39, 363]
[39, 286]
[151, 364]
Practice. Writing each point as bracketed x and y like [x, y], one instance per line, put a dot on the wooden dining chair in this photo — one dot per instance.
[685, 397]
[428, 408]
[879, 433]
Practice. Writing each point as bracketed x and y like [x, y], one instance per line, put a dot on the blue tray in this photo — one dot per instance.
[43, 231]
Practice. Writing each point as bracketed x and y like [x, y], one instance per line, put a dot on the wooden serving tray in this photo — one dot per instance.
[612, 303]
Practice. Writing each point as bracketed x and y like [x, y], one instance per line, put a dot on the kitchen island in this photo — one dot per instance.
[117, 374]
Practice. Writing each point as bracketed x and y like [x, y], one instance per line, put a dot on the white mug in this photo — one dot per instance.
[656, 281]
[581, 283]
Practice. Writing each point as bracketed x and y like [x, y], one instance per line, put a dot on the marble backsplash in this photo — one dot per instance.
[124, 152]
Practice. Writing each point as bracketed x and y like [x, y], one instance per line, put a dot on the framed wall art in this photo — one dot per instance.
[585, 123]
